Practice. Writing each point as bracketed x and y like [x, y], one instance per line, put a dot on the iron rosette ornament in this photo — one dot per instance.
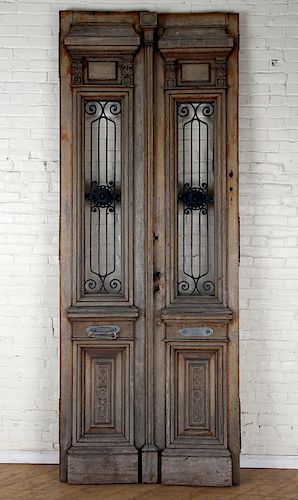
[102, 196]
[195, 198]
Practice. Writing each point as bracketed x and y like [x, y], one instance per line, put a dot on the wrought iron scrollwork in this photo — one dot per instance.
[195, 198]
[102, 173]
[102, 196]
[195, 173]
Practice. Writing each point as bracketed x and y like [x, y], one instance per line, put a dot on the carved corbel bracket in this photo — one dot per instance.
[127, 70]
[221, 73]
[170, 72]
[77, 70]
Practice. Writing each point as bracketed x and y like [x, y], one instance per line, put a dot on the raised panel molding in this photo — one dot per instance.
[103, 393]
[196, 451]
[103, 448]
[197, 401]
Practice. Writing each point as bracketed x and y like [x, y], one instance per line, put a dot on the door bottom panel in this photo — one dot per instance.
[181, 467]
[106, 466]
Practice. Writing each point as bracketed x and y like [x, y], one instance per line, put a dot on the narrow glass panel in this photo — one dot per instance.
[196, 274]
[102, 145]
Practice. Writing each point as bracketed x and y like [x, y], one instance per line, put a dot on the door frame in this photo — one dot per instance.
[137, 62]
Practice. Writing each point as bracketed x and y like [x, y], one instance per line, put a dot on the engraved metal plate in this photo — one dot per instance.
[196, 332]
[103, 331]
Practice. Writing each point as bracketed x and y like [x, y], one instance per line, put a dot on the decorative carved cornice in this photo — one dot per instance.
[96, 39]
[102, 42]
[196, 45]
[195, 38]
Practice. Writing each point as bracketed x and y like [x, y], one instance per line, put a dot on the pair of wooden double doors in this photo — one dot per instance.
[149, 248]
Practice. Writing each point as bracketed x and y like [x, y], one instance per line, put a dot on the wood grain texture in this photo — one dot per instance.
[233, 246]
[177, 48]
[98, 70]
[65, 247]
[195, 388]
[149, 450]
[27, 482]
[94, 467]
[196, 471]
[195, 72]
[149, 389]
[97, 385]
[103, 393]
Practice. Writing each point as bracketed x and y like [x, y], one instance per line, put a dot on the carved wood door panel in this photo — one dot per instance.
[149, 248]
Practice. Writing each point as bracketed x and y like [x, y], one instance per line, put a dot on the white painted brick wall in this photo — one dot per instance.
[29, 218]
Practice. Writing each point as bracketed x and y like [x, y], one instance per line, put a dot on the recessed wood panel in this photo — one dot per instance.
[195, 72]
[103, 394]
[197, 401]
[102, 71]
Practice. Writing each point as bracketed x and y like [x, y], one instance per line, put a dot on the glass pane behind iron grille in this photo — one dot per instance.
[103, 267]
[196, 275]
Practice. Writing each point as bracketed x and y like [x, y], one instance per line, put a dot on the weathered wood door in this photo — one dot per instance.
[149, 248]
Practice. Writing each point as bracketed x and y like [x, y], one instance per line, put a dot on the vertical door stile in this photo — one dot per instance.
[149, 450]
[233, 242]
[65, 403]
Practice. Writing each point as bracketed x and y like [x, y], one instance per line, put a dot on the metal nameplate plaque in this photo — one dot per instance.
[196, 332]
[103, 331]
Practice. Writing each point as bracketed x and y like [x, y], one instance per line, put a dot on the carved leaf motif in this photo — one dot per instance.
[170, 74]
[77, 70]
[221, 74]
[197, 408]
[127, 72]
[103, 389]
